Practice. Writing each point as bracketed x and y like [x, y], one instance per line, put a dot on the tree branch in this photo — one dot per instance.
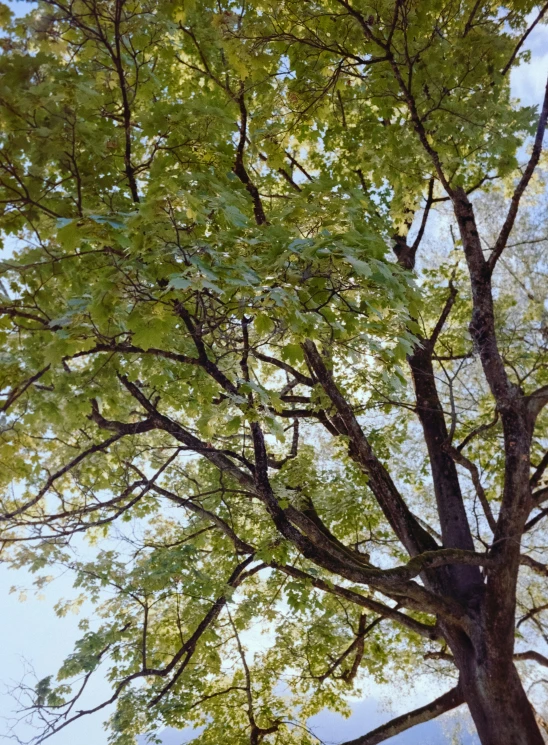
[536, 401]
[18, 390]
[532, 656]
[539, 471]
[411, 534]
[471, 467]
[61, 472]
[239, 166]
[300, 377]
[523, 39]
[533, 564]
[448, 701]
[502, 240]
[423, 629]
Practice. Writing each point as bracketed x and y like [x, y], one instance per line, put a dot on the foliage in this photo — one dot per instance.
[216, 347]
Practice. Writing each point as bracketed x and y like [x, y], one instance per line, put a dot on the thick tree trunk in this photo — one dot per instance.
[492, 689]
[500, 708]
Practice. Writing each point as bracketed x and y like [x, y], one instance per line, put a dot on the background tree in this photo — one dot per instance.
[224, 346]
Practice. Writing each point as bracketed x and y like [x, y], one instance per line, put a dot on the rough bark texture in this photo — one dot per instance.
[494, 693]
[455, 529]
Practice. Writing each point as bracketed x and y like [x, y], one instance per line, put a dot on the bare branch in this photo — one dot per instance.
[239, 167]
[448, 701]
[533, 564]
[523, 39]
[438, 328]
[539, 471]
[502, 240]
[533, 656]
[471, 467]
[476, 431]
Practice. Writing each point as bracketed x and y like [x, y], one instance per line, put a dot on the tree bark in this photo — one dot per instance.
[492, 689]
[484, 656]
[455, 529]
[499, 706]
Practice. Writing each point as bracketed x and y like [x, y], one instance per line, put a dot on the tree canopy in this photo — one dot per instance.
[274, 342]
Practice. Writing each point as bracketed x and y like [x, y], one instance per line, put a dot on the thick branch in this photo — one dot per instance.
[533, 564]
[407, 529]
[405, 253]
[429, 632]
[536, 402]
[448, 701]
[314, 542]
[455, 528]
[156, 420]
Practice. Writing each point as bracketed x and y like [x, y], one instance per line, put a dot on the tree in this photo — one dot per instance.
[228, 344]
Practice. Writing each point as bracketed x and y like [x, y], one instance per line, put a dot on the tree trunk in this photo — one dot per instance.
[500, 709]
[493, 691]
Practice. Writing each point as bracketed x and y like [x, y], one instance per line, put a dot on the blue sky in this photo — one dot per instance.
[33, 634]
